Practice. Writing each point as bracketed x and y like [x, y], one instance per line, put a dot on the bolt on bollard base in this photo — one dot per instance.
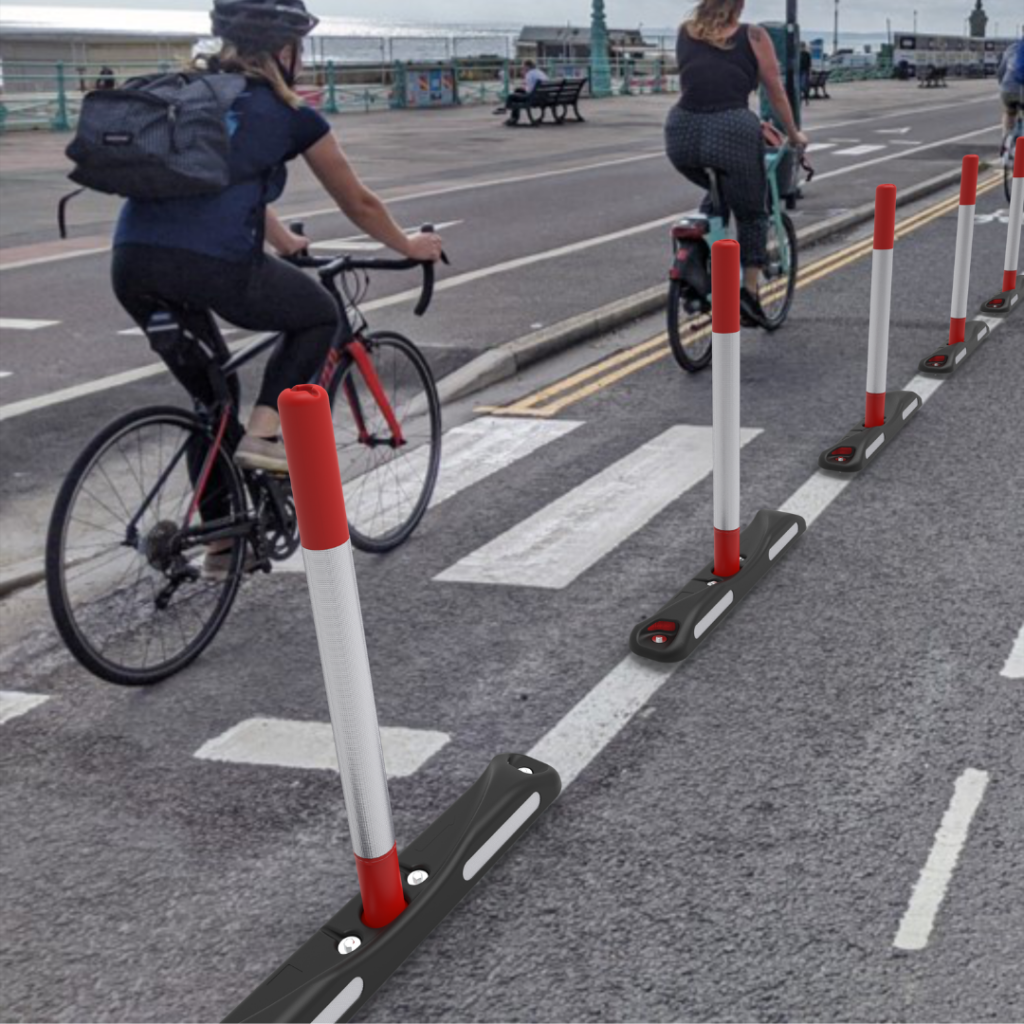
[861, 444]
[682, 624]
[320, 982]
[402, 896]
[950, 358]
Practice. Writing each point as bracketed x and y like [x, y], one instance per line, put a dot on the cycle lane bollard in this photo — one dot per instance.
[1013, 286]
[885, 412]
[741, 558]
[402, 896]
[965, 336]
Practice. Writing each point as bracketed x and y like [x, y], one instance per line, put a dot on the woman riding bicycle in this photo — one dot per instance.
[208, 252]
[721, 62]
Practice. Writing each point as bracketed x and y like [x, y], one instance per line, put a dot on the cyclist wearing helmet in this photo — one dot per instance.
[208, 252]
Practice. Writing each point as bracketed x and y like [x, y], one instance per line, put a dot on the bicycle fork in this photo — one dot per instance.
[357, 352]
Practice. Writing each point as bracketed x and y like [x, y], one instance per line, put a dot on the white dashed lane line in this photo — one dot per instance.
[11, 324]
[1014, 667]
[13, 703]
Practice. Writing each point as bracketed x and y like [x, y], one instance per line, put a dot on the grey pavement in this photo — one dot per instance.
[745, 844]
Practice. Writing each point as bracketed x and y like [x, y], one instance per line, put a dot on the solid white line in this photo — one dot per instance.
[310, 745]
[138, 332]
[713, 616]
[1014, 667]
[7, 324]
[470, 453]
[366, 244]
[861, 150]
[13, 703]
[550, 549]
[930, 890]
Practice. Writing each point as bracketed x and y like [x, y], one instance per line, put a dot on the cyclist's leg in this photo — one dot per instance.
[735, 145]
[683, 148]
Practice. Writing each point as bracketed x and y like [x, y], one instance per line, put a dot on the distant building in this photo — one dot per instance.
[962, 55]
[564, 42]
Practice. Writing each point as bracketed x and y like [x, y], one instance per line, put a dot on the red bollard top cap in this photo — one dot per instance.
[885, 216]
[1018, 158]
[725, 286]
[308, 432]
[969, 181]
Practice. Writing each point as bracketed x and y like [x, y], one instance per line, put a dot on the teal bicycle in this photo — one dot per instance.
[689, 296]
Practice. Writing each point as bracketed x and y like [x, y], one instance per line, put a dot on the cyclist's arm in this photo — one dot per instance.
[768, 74]
[363, 207]
[286, 242]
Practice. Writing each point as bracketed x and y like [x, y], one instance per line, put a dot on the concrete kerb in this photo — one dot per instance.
[507, 359]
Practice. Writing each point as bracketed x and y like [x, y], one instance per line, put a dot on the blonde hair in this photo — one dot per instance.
[262, 66]
[711, 19]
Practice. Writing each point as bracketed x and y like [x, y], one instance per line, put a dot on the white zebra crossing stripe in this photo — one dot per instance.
[858, 150]
[817, 147]
[469, 453]
[7, 324]
[14, 703]
[283, 743]
[550, 549]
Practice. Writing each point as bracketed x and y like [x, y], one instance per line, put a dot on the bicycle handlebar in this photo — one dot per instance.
[330, 267]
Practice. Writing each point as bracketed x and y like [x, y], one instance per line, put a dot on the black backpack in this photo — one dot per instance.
[157, 137]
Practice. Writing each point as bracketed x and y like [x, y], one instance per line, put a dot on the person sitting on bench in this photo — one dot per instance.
[520, 99]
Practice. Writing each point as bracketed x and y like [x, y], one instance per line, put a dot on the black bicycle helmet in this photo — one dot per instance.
[267, 25]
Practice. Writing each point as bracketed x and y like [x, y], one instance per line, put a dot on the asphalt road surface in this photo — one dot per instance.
[819, 815]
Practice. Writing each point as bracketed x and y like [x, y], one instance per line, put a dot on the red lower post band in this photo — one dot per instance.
[957, 329]
[1009, 280]
[727, 552]
[874, 410]
[380, 885]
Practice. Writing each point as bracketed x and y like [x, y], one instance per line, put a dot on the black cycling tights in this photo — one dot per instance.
[267, 295]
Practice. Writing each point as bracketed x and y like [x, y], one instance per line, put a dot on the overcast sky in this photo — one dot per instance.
[855, 15]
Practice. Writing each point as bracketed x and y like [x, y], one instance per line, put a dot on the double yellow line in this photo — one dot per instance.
[553, 399]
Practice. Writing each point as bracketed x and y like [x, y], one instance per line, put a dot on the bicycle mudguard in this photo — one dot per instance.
[320, 983]
[949, 358]
[682, 624]
[861, 444]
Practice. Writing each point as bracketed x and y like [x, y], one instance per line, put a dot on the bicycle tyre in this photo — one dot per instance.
[386, 539]
[65, 619]
[690, 359]
[778, 317]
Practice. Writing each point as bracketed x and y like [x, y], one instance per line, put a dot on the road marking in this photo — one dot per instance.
[5, 373]
[1014, 667]
[138, 332]
[13, 703]
[906, 142]
[363, 243]
[470, 453]
[892, 131]
[7, 324]
[861, 150]
[284, 743]
[817, 147]
[552, 548]
[598, 718]
[930, 890]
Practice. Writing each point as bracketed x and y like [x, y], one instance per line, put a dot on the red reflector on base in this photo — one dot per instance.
[841, 451]
[662, 627]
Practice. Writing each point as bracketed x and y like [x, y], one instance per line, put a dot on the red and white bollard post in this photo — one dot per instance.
[1013, 285]
[402, 896]
[885, 412]
[741, 558]
[966, 335]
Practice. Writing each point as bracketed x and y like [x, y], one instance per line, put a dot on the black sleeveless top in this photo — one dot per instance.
[714, 79]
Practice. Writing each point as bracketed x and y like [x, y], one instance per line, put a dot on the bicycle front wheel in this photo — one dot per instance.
[388, 483]
[778, 276]
[129, 591]
[689, 337]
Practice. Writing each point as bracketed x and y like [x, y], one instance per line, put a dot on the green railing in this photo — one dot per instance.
[48, 96]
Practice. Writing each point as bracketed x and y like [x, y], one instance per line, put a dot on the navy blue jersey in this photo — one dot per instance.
[265, 134]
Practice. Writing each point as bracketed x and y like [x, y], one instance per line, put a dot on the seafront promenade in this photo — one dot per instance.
[740, 838]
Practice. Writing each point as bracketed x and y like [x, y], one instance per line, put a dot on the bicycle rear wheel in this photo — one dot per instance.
[778, 277]
[387, 486]
[126, 588]
[689, 337]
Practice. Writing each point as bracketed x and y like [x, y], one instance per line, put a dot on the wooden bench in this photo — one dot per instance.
[559, 97]
[816, 85]
[933, 77]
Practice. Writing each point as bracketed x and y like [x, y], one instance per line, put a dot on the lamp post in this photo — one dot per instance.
[600, 68]
[915, 22]
[835, 30]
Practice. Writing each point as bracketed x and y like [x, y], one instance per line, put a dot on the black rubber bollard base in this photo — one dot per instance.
[681, 625]
[319, 983]
[950, 358]
[863, 443]
[1005, 302]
